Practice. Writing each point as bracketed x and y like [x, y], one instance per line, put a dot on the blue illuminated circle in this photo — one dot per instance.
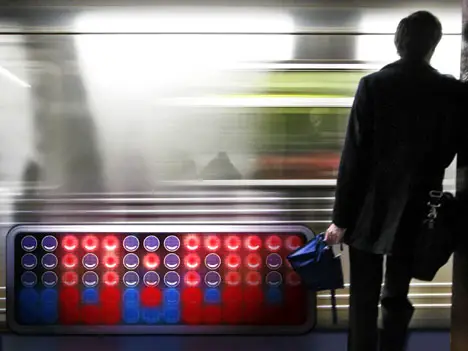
[90, 279]
[131, 297]
[151, 243]
[171, 297]
[28, 303]
[28, 279]
[274, 261]
[131, 261]
[274, 296]
[151, 279]
[131, 279]
[212, 261]
[49, 261]
[212, 279]
[212, 296]
[49, 279]
[172, 315]
[172, 243]
[29, 243]
[172, 279]
[49, 296]
[90, 296]
[151, 315]
[29, 261]
[90, 261]
[171, 261]
[131, 243]
[274, 278]
[49, 243]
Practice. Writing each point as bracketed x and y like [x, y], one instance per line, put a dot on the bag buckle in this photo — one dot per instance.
[436, 194]
[434, 204]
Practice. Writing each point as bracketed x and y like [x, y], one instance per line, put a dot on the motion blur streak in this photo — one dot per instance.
[193, 114]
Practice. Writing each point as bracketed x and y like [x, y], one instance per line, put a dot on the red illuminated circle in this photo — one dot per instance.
[253, 278]
[110, 278]
[253, 261]
[151, 297]
[253, 243]
[111, 261]
[90, 243]
[192, 242]
[69, 243]
[273, 243]
[192, 279]
[293, 242]
[192, 261]
[69, 261]
[233, 242]
[212, 242]
[110, 243]
[233, 261]
[70, 278]
[151, 261]
[232, 278]
[293, 279]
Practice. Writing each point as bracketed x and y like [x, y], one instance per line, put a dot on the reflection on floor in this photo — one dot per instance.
[316, 341]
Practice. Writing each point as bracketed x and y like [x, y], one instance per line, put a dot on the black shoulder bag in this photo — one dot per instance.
[436, 238]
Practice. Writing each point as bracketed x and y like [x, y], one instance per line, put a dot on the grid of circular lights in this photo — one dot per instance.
[90, 261]
[29, 260]
[238, 252]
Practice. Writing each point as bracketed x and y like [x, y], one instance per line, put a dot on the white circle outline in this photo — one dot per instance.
[172, 250]
[35, 282]
[43, 246]
[125, 265]
[213, 268]
[28, 250]
[209, 285]
[151, 285]
[50, 254]
[157, 247]
[130, 236]
[89, 273]
[165, 264]
[56, 279]
[97, 261]
[29, 268]
[274, 254]
[274, 285]
[131, 286]
[171, 286]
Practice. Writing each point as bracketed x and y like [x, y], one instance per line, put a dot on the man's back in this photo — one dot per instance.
[406, 117]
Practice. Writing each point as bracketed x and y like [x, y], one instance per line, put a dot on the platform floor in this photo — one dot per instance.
[315, 341]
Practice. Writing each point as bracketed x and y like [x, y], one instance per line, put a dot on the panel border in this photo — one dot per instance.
[151, 329]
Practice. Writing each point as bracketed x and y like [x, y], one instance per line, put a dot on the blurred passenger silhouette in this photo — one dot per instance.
[402, 135]
[26, 205]
[220, 168]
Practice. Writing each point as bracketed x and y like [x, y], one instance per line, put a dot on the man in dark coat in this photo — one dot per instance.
[401, 136]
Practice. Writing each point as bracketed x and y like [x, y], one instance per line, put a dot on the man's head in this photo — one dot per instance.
[418, 35]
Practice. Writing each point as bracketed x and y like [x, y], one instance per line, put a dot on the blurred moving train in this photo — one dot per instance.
[192, 114]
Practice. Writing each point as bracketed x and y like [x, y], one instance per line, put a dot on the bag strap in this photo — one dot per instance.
[334, 308]
[333, 300]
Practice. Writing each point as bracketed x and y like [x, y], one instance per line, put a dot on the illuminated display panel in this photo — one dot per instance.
[158, 279]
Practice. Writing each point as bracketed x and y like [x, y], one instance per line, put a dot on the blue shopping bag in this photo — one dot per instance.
[319, 268]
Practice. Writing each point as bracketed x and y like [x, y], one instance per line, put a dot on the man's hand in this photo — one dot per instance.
[334, 235]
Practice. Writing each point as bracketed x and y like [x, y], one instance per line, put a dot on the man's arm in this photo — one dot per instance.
[355, 160]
